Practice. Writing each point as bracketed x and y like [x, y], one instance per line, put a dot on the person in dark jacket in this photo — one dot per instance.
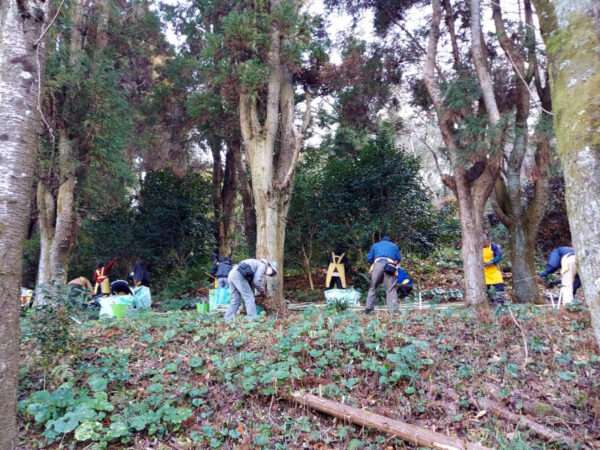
[140, 274]
[383, 256]
[244, 278]
[563, 258]
[220, 270]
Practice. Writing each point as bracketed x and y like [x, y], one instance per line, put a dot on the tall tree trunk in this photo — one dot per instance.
[20, 27]
[472, 187]
[272, 161]
[228, 194]
[471, 224]
[247, 204]
[271, 207]
[57, 218]
[307, 266]
[217, 182]
[523, 263]
[571, 31]
[46, 212]
[521, 218]
[64, 230]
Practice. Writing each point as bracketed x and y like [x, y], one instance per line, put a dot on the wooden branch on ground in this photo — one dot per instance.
[523, 335]
[410, 433]
[542, 431]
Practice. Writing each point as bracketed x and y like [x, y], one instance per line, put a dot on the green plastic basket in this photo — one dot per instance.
[120, 310]
[202, 308]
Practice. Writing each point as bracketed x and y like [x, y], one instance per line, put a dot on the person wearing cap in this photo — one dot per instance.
[384, 257]
[245, 277]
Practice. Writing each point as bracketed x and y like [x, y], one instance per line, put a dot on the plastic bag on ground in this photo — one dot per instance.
[219, 298]
[350, 296]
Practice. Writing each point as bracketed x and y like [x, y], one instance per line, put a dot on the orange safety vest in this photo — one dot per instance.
[100, 277]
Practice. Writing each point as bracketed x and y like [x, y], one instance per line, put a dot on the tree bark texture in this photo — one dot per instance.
[571, 31]
[247, 204]
[20, 27]
[225, 183]
[272, 147]
[46, 213]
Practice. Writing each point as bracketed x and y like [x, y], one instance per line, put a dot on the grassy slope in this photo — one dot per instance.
[189, 382]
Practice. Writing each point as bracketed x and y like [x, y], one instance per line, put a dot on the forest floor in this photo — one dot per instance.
[181, 380]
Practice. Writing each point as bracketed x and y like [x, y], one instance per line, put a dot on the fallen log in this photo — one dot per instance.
[410, 433]
[518, 419]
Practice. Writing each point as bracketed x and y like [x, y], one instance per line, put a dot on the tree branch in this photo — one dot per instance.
[245, 120]
[452, 31]
[307, 114]
[274, 85]
[429, 70]
[481, 66]
[501, 203]
[45, 30]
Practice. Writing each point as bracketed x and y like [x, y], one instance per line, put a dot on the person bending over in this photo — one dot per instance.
[244, 278]
[565, 259]
[384, 257]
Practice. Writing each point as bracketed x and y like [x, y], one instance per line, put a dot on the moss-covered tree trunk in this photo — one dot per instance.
[571, 30]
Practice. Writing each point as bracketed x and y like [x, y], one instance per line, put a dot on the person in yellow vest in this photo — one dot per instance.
[494, 281]
[336, 271]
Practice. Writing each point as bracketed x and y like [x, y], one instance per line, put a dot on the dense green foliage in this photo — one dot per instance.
[357, 187]
[168, 227]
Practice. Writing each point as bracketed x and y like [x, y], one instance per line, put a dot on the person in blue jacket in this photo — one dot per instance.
[220, 270]
[554, 259]
[405, 283]
[563, 258]
[384, 257]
